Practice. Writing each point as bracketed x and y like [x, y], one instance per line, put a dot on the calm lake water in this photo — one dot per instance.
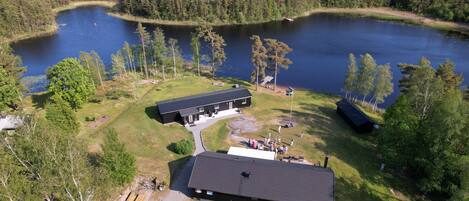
[321, 45]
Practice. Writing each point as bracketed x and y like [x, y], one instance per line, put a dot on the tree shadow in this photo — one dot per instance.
[39, 100]
[358, 151]
[233, 81]
[180, 172]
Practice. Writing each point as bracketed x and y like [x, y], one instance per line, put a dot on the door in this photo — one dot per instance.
[190, 118]
[230, 105]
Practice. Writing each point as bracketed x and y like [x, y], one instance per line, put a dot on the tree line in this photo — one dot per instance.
[248, 11]
[425, 132]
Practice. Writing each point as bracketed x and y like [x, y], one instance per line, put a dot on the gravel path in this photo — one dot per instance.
[178, 189]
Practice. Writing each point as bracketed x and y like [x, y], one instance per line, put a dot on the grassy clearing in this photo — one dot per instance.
[353, 157]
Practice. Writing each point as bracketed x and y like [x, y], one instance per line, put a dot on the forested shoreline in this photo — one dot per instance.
[28, 16]
[254, 11]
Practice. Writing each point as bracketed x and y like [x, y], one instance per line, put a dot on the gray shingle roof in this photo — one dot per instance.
[268, 179]
[177, 104]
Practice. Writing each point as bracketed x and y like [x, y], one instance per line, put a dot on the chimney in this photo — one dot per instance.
[326, 159]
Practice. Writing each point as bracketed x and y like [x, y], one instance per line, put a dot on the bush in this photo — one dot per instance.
[116, 160]
[90, 118]
[183, 147]
[115, 94]
[96, 99]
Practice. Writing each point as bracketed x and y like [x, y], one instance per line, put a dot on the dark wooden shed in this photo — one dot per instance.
[358, 120]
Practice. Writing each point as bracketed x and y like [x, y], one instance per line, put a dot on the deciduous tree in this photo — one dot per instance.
[366, 75]
[160, 50]
[69, 80]
[383, 86]
[61, 115]
[10, 95]
[350, 84]
[217, 47]
[116, 160]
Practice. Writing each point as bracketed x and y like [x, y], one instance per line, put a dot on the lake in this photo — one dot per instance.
[321, 45]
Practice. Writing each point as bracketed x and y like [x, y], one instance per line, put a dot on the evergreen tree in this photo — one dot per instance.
[160, 49]
[144, 39]
[446, 72]
[69, 80]
[277, 52]
[216, 44]
[366, 75]
[116, 160]
[351, 78]
[195, 46]
[258, 59]
[61, 115]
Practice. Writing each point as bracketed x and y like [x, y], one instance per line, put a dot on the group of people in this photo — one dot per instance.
[269, 145]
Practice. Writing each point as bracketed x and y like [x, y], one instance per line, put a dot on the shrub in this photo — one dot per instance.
[115, 94]
[90, 118]
[183, 147]
[118, 162]
[96, 99]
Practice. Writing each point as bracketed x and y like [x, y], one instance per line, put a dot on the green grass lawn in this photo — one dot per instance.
[353, 157]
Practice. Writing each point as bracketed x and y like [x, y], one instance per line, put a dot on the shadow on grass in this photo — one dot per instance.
[357, 151]
[40, 100]
[233, 81]
[152, 113]
[180, 172]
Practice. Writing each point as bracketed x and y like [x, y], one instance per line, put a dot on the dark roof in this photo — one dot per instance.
[261, 179]
[177, 104]
[353, 113]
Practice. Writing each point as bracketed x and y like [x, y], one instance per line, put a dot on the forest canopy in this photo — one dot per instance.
[245, 11]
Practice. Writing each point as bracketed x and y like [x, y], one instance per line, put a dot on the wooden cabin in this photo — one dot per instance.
[358, 120]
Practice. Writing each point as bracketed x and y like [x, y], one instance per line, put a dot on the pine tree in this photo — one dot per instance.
[160, 49]
[144, 39]
[258, 59]
[217, 47]
[277, 52]
[351, 78]
[446, 72]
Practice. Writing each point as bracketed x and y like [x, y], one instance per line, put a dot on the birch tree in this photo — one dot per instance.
[351, 78]
[383, 86]
[160, 49]
[128, 54]
[174, 51]
[366, 76]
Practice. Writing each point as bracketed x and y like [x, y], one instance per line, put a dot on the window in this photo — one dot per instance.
[245, 101]
[209, 193]
[217, 107]
[201, 109]
[198, 191]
